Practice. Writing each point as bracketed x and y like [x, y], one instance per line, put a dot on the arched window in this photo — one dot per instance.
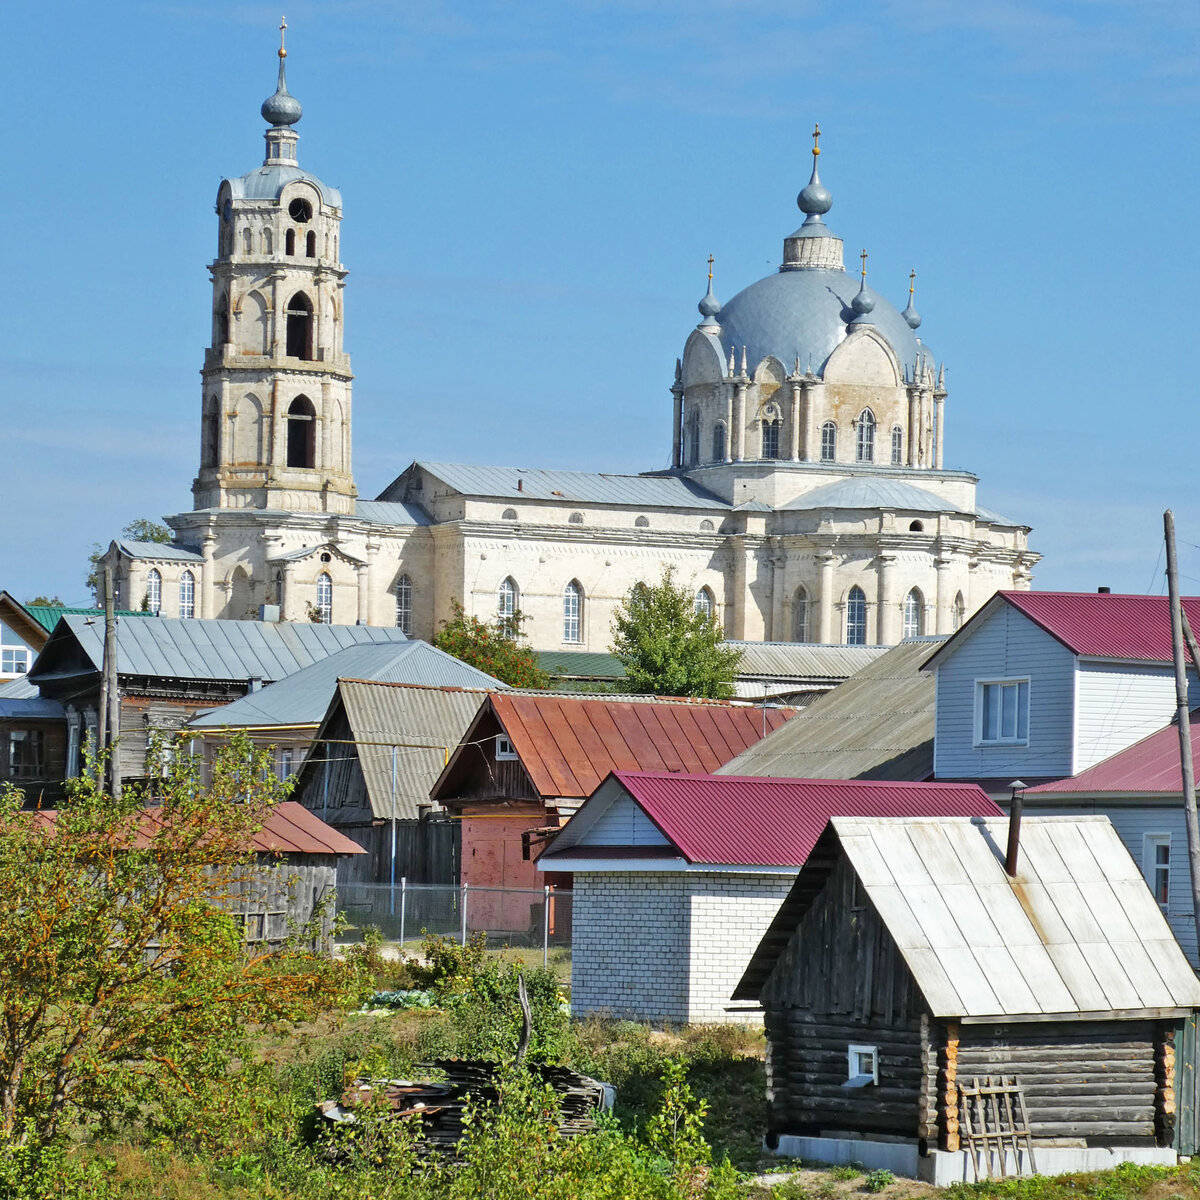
[706, 526]
[154, 592]
[299, 327]
[864, 444]
[800, 615]
[210, 435]
[916, 527]
[301, 433]
[310, 244]
[576, 518]
[404, 604]
[187, 595]
[914, 614]
[770, 439]
[573, 612]
[704, 604]
[267, 240]
[642, 522]
[509, 514]
[828, 442]
[719, 442]
[897, 446]
[221, 322]
[325, 598]
[289, 242]
[248, 240]
[508, 601]
[856, 617]
[693, 437]
[960, 611]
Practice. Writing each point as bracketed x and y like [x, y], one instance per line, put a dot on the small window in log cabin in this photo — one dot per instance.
[862, 1065]
[504, 748]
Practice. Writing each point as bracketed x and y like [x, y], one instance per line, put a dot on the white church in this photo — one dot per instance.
[808, 499]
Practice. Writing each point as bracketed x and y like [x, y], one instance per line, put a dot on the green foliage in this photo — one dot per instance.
[846, 1171]
[140, 530]
[676, 1130]
[667, 647]
[496, 647]
[878, 1179]
[46, 602]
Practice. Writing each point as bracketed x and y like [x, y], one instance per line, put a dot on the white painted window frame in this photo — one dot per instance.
[504, 749]
[1015, 681]
[1151, 866]
[855, 1075]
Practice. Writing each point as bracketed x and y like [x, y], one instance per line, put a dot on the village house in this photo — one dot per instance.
[677, 877]
[914, 957]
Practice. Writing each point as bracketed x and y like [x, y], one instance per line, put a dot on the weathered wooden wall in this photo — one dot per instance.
[285, 893]
[842, 980]
[427, 851]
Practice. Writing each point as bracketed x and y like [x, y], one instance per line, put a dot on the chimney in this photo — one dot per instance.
[254, 683]
[520, 484]
[1014, 826]
[1103, 591]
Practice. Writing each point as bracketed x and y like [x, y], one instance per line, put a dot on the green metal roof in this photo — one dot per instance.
[580, 663]
[47, 615]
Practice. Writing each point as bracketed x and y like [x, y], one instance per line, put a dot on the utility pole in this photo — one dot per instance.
[1183, 718]
[110, 700]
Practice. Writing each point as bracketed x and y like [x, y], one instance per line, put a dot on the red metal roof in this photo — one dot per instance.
[1101, 625]
[776, 822]
[1148, 767]
[568, 745]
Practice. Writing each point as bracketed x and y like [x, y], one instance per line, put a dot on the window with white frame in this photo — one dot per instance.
[914, 614]
[285, 766]
[187, 595]
[507, 603]
[572, 612]
[862, 1065]
[960, 611]
[828, 442]
[404, 604]
[14, 660]
[1156, 866]
[26, 753]
[864, 447]
[718, 446]
[504, 748]
[897, 446]
[704, 604]
[1002, 712]
[154, 591]
[800, 615]
[770, 439]
[325, 598]
[856, 617]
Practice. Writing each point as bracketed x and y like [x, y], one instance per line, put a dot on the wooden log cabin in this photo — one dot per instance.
[907, 962]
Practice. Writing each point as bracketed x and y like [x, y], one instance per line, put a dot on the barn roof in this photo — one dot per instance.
[712, 819]
[1076, 933]
[568, 745]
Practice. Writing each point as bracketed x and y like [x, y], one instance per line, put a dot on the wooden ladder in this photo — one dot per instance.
[994, 1121]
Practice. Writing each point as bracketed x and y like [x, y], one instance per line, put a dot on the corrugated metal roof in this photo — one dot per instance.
[1076, 931]
[651, 491]
[431, 721]
[162, 551]
[303, 698]
[1147, 768]
[391, 512]
[569, 745]
[803, 660]
[197, 649]
[291, 829]
[581, 663]
[718, 820]
[46, 615]
[877, 725]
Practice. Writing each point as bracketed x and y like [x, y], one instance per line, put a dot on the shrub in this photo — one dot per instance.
[877, 1180]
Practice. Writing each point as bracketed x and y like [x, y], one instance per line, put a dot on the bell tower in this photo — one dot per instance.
[275, 416]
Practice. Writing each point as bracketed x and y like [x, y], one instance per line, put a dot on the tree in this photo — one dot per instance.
[126, 988]
[668, 647]
[46, 602]
[492, 646]
[140, 530]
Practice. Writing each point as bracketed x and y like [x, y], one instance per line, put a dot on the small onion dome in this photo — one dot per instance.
[814, 198]
[862, 303]
[911, 315]
[710, 305]
[282, 108]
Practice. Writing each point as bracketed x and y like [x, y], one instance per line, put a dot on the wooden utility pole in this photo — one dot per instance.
[1183, 717]
[110, 699]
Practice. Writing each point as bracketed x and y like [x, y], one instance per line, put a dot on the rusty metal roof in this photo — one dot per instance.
[569, 745]
[718, 820]
[876, 725]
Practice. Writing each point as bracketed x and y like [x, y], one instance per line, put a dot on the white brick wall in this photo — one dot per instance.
[666, 946]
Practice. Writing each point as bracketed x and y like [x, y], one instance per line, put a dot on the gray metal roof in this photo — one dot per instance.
[303, 698]
[308, 551]
[870, 492]
[582, 487]
[160, 550]
[803, 660]
[1077, 930]
[430, 721]
[803, 315]
[197, 649]
[995, 518]
[391, 512]
[265, 183]
[18, 689]
[876, 725]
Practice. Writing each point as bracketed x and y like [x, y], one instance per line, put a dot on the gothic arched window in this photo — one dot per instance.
[187, 595]
[248, 240]
[300, 327]
[718, 446]
[154, 591]
[864, 444]
[642, 522]
[301, 433]
[828, 442]
[210, 435]
[576, 518]
[704, 604]
[856, 617]
[509, 514]
[573, 612]
[507, 602]
[289, 242]
[960, 611]
[770, 439]
[897, 446]
[310, 244]
[325, 598]
[403, 591]
[693, 438]
[800, 615]
[221, 322]
[914, 614]
[267, 240]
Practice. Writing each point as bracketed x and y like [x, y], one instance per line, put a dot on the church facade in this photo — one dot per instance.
[808, 499]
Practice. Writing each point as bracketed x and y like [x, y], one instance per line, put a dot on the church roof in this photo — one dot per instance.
[585, 487]
[867, 492]
[162, 551]
[391, 512]
[265, 183]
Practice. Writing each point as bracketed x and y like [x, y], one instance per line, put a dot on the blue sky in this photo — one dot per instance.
[531, 191]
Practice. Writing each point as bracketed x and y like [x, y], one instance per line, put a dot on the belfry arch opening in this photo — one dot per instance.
[301, 433]
[299, 327]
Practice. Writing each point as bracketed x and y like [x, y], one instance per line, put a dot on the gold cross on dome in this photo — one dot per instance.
[282, 28]
[864, 257]
[912, 282]
[816, 140]
[711, 260]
